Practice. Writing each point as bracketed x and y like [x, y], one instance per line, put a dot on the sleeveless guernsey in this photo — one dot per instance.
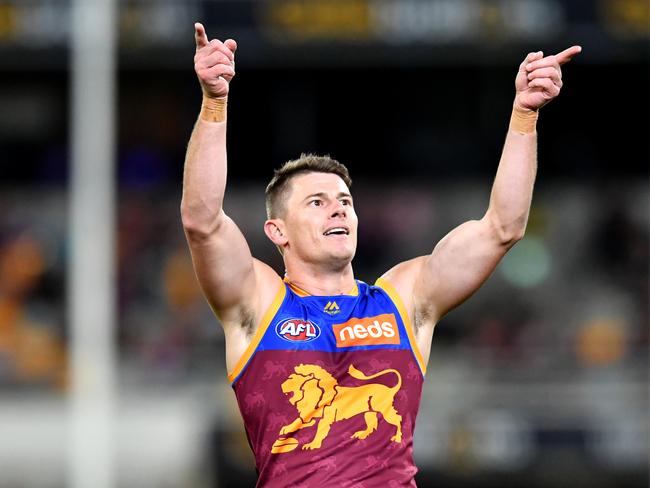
[329, 390]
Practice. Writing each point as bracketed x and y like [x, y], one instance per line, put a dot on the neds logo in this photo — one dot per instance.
[368, 331]
[297, 330]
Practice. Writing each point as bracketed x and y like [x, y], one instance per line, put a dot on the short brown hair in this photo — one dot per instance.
[307, 163]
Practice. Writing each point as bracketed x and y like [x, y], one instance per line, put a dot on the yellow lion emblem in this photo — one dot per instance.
[316, 395]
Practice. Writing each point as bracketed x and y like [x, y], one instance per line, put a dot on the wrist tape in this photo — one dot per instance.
[214, 109]
[522, 120]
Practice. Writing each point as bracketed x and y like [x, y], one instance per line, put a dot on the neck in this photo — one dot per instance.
[322, 282]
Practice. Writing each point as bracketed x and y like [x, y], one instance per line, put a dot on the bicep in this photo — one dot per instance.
[459, 264]
[224, 267]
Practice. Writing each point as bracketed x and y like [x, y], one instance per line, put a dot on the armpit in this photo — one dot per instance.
[248, 323]
[423, 318]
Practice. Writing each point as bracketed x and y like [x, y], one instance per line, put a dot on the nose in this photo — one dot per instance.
[339, 210]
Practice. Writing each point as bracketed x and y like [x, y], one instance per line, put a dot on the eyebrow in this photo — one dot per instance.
[324, 195]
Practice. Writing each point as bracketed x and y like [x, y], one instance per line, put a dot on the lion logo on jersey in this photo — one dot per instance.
[319, 399]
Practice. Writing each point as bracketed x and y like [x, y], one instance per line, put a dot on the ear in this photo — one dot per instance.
[274, 230]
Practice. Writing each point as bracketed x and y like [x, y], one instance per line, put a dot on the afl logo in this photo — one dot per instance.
[297, 330]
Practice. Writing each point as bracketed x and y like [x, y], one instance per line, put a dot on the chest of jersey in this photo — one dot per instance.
[331, 378]
[335, 324]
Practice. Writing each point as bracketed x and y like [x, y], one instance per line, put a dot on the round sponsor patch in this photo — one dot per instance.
[297, 330]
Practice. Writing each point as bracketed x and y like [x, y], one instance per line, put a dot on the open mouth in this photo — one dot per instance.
[337, 231]
[293, 396]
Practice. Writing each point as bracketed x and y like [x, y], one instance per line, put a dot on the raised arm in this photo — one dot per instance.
[462, 261]
[229, 276]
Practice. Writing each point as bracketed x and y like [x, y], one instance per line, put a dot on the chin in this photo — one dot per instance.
[342, 257]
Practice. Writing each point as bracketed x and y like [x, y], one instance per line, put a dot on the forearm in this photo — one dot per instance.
[204, 178]
[512, 190]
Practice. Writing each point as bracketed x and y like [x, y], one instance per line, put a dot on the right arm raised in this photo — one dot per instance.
[236, 285]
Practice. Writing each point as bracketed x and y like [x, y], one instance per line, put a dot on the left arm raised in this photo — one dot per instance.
[461, 262]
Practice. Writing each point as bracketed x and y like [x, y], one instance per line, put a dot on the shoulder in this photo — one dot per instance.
[267, 289]
[404, 275]
[402, 278]
[270, 289]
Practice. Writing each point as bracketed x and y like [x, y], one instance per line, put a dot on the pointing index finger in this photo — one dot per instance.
[200, 36]
[566, 55]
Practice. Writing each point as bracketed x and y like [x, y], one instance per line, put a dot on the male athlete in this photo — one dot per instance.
[328, 370]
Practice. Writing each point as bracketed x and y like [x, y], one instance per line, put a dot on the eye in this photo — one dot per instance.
[316, 203]
[346, 201]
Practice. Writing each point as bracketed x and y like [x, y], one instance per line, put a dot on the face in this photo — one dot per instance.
[319, 225]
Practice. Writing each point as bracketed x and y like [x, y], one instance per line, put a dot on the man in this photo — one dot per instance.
[328, 370]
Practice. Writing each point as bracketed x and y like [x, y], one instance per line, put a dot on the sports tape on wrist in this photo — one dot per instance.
[214, 109]
[523, 121]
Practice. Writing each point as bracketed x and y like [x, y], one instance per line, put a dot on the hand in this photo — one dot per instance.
[214, 63]
[539, 79]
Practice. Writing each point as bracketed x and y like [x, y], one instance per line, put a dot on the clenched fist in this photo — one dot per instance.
[214, 63]
[539, 79]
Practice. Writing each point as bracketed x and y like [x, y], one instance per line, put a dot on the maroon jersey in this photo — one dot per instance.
[329, 390]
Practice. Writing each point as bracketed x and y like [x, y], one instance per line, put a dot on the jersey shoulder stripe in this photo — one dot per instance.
[410, 331]
[259, 333]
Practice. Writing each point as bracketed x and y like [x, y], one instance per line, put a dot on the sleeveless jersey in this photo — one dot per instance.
[329, 389]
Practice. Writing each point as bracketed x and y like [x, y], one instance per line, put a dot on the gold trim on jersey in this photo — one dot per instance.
[259, 333]
[410, 331]
[302, 293]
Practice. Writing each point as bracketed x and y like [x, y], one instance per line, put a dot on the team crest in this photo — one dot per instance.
[297, 330]
[321, 401]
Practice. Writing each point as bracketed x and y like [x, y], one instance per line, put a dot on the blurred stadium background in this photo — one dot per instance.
[539, 380]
